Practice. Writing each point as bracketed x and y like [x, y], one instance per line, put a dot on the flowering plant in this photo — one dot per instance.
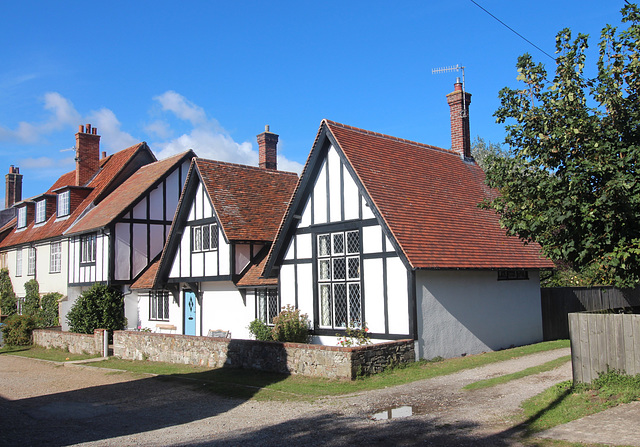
[355, 335]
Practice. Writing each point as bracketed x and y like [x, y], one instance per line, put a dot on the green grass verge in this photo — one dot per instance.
[247, 383]
[37, 352]
[566, 402]
[244, 383]
[553, 364]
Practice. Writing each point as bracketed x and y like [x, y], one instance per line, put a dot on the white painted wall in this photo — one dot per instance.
[223, 307]
[141, 299]
[48, 282]
[469, 312]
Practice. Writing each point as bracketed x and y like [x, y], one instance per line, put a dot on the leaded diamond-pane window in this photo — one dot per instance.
[159, 305]
[324, 245]
[268, 304]
[205, 237]
[339, 287]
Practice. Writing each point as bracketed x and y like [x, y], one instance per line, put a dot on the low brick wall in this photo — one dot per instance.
[292, 358]
[70, 341]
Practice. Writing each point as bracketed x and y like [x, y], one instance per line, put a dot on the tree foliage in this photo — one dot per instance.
[31, 306]
[570, 181]
[482, 150]
[99, 307]
[7, 295]
[49, 310]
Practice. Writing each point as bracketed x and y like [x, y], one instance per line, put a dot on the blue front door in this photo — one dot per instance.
[189, 313]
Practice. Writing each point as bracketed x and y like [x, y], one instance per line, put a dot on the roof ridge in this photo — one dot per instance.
[238, 165]
[389, 137]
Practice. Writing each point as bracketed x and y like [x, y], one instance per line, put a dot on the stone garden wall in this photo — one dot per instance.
[69, 341]
[292, 358]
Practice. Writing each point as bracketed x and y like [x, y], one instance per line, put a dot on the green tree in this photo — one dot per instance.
[100, 307]
[570, 181]
[31, 306]
[481, 150]
[49, 312]
[7, 295]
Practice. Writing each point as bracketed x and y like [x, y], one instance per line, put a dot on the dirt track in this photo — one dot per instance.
[45, 404]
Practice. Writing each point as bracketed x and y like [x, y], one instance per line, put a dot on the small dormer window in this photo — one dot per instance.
[63, 204]
[22, 217]
[41, 211]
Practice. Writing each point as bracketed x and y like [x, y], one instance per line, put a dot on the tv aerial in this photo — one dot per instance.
[449, 69]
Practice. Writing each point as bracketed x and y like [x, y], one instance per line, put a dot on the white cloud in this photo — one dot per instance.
[159, 128]
[112, 137]
[64, 114]
[207, 138]
[182, 107]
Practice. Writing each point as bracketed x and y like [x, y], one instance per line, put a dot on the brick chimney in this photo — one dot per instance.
[459, 110]
[87, 154]
[268, 152]
[13, 190]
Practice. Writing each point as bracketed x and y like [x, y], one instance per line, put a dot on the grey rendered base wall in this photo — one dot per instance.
[470, 312]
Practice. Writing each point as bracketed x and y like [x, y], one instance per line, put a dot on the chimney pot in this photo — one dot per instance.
[104, 154]
[81, 128]
[459, 114]
[13, 191]
[268, 149]
[87, 155]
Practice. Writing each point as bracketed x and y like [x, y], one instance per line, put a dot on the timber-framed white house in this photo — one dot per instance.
[104, 222]
[207, 279]
[389, 232]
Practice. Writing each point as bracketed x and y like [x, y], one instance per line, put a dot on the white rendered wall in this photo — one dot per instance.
[224, 308]
[469, 312]
[175, 313]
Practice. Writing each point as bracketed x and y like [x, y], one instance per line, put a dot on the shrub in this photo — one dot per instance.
[355, 335]
[260, 330]
[31, 304]
[100, 307]
[17, 329]
[7, 295]
[290, 325]
[49, 309]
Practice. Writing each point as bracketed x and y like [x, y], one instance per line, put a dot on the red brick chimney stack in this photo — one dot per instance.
[459, 110]
[87, 154]
[268, 151]
[13, 190]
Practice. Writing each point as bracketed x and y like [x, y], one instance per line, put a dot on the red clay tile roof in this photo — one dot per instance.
[147, 280]
[253, 276]
[127, 193]
[53, 227]
[248, 201]
[428, 197]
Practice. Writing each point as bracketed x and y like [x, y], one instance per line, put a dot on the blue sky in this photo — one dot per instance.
[208, 75]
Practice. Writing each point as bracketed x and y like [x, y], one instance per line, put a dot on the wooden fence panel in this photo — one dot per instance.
[558, 302]
[600, 342]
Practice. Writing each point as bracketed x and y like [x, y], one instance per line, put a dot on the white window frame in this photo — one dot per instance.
[31, 261]
[204, 237]
[158, 305]
[55, 258]
[22, 217]
[339, 274]
[268, 304]
[41, 211]
[88, 248]
[19, 262]
[64, 204]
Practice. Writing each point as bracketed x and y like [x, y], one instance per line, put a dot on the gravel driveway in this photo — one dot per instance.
[42, 403]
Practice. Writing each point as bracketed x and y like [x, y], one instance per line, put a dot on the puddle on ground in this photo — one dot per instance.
[393, 413]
